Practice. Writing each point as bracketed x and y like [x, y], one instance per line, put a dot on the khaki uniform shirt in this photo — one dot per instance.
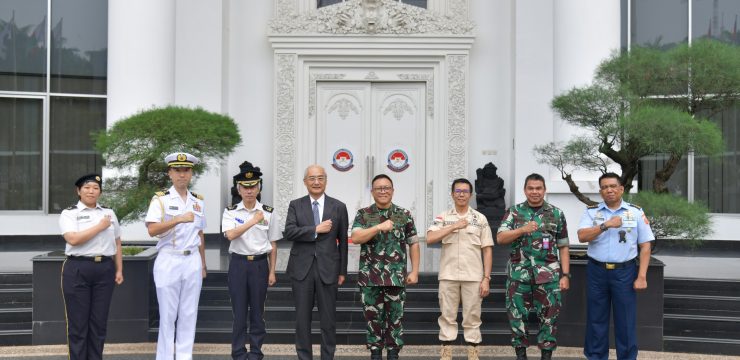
[462, 259]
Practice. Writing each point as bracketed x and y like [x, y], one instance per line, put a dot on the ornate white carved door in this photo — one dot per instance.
[365, 129]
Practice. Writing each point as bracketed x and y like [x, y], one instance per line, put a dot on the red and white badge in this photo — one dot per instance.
[342, 160]
[398, 160]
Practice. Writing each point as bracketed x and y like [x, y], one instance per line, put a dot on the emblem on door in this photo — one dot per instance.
[398, 160]
[342, 160]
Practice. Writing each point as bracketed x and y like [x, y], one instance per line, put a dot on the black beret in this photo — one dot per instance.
[87, 178]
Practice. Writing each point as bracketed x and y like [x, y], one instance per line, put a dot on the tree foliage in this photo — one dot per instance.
[673, 217]
[644, 102]
[137, 145]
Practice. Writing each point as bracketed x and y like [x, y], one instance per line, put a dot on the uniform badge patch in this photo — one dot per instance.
[239, 220]
[196, 207]
[342, 160]
[398, 160]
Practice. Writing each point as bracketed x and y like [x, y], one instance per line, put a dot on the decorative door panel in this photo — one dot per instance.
[398, 142]
[342, 140]
[365, 129]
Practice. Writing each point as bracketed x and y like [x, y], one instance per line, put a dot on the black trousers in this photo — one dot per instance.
[304, 293]
[87, 287]
[248, 290]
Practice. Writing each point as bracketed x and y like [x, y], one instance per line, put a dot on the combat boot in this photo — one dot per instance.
[446, 353]
[472, 352]
[376, 354]
[392, 354]
[521, 353]
[546, 354]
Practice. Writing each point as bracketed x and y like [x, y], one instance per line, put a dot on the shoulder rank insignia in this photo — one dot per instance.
[593, 206]
[197, 196]
[267, 208]
[104, 207]
[162, 193]
[232, 207]
[636, 206]
[71, 207]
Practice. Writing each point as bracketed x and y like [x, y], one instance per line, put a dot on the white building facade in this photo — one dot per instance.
[425, 91]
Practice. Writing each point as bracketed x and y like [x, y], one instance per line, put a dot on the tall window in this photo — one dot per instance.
[53, 85]
[664, 24]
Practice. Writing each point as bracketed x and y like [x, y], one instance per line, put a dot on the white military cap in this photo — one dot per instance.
[181, 160]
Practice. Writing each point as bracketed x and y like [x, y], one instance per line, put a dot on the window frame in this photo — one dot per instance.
[45, 97]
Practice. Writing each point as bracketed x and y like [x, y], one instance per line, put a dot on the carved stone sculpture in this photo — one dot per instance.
[370, 17]
[490, 192]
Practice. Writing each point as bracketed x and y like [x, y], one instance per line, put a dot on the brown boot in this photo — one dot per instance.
[446, 353]
[473, 352]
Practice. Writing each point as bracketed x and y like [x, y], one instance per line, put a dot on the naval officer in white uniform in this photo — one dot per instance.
[176, 216]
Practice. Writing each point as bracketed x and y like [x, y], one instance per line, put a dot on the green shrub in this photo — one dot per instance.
[136, 147]
[674, 217]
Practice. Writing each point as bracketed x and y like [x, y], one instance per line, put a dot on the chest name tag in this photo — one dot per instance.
[239, 220]
[84, 217]
[628, 220]
[174, 208]
[629, 223]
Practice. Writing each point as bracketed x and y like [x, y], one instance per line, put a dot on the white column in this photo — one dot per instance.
[490, 128]
[141, 56]
[533, 79]
[141, 65]
[200, 45]
[585, 33]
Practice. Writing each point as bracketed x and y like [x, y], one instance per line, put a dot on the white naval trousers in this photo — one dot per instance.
[178, 280]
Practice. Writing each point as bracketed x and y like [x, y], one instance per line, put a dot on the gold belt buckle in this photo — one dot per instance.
[98, 258]
[610, 266]
[186, 252]
[250, 257]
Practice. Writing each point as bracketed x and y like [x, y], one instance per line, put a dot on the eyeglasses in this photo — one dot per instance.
[383, 189]
[610, 186]
[461, 191]
[316, 178]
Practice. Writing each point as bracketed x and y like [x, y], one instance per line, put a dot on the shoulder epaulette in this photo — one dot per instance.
[593, 206]
[232, 207]
[197, 196]
[104, 207]
[161, 193]
[267, 208]
[636, 206]
[71, 207]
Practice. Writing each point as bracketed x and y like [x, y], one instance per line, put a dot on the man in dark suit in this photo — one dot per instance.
[317, 225]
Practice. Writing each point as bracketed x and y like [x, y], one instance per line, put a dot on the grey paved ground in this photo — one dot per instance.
[344, 352]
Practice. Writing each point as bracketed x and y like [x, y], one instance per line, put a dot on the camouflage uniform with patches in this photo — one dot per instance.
[534, 272]
[382, 274]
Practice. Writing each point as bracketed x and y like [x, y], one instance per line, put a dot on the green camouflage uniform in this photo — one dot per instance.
[534, 272]
[382, 274]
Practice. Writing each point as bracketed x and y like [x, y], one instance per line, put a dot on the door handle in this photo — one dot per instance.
[372, 169]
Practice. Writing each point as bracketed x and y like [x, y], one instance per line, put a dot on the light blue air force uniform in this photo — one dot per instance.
[610, 275]
[607, 246]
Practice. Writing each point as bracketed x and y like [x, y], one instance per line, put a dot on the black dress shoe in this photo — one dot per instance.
[546, 354]
[392, 354]
[376, 354]
[521, 353]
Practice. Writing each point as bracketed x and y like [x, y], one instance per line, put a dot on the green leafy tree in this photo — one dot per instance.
[136, 146]
[647, 102]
